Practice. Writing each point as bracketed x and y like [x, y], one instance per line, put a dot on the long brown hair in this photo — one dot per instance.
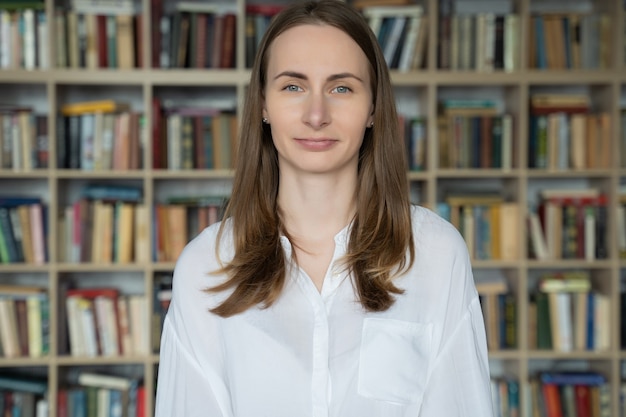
[381, 239]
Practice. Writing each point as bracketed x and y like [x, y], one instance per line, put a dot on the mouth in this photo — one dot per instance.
[316, 143]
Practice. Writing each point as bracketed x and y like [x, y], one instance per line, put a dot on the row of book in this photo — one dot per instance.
[566, 314]
[98, 40]
[570, 41]
[100, 135]
[180, 220]
[474, 134]
[108, 224]
[565, 134]
[103, 322]
[505, 397]
[402, 32]
[499, 310]
[23, 396]
[96, 393]
[480, 42]
[554, 394]
[570, 393]
[194, 35]
[488, 223]
[23, 139]
[195, 138]
[414, 131]
[24, 321]
[569, 224]
[258, 17]
[480, 36]
[24, 37]
[23, 230]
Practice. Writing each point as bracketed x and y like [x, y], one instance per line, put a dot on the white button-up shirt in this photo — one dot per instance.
[320, 354]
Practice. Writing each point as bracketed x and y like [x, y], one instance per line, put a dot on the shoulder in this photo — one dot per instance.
[201, 250]
[432, 233]
[195, 268]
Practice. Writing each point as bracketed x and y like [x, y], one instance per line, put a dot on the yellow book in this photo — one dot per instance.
[103, 106]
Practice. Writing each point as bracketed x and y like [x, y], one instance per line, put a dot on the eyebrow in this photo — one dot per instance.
[332, 77]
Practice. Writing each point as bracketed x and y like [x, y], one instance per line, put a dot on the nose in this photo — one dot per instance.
[316, 110]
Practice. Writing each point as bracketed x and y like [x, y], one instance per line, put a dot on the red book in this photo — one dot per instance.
[156, 133]
[227, 58]
[91, 293]
[264, 9]
[552, 400]
[101, 29]
[141, 401]
[62, 403]
[201, 37]
[583, 400]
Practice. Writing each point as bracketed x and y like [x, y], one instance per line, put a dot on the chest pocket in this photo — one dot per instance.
[394, 360]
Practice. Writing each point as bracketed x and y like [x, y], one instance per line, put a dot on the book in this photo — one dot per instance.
[104, 106]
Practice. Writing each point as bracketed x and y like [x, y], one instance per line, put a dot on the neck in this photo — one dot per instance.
[316, 206]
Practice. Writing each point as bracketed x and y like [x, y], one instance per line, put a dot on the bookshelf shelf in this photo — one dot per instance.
[419, 94]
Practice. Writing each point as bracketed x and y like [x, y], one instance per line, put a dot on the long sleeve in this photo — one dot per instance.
[182, 389]
[192, 371]
[459, 382]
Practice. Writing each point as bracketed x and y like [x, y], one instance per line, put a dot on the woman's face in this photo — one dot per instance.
[318, 99]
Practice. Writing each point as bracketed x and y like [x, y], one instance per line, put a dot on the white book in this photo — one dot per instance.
[561, 321]
[490, 41]
[43, 50]
[511, 44]
[29, 48]
[174, 127]
[92, 379]
[88, 322]
[410, 42]
[104, 402]
[537, 237]
[74, 326]
[602, 321]
[35, 331]
[393, 40]
[5, 35]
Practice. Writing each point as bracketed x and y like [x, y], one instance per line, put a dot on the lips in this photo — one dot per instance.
[319, 144]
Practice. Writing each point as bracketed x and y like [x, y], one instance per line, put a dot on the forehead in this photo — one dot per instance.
[312, 46]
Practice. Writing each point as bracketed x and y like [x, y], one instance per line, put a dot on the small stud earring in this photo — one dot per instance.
[371, 125]
[265, 120]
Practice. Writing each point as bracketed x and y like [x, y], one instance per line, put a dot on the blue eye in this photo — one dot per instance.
[293, 88]
[342, 89]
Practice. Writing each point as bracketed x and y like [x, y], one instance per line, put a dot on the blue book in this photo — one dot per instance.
[35, 386]
[542, 60]
[573, 378]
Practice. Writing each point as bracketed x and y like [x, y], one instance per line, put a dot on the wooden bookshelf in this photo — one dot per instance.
[419, 93]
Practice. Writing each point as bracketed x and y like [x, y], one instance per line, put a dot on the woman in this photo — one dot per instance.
[324, 293]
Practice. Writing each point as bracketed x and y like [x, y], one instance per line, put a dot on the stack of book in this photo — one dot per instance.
[23, 139]
[24, 34]
[565, 135]
[99, 135]
[474, 134]
[567, 315]
[23, 230]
